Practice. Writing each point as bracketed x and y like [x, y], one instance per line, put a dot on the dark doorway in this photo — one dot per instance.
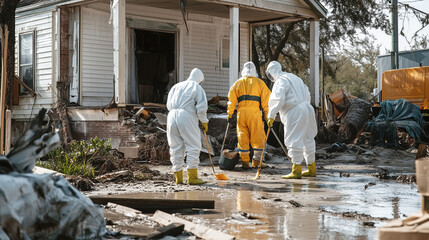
[155, 65]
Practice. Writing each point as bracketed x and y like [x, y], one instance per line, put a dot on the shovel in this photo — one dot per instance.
[220, 176]
[262, 156]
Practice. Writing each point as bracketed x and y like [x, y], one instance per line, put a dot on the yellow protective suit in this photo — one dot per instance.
[249, 92]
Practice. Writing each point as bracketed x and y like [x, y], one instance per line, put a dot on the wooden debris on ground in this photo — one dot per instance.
[197, 229]
[151, 205]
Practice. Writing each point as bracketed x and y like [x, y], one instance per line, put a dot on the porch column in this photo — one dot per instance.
[314, 63]
[119, 60]
[234, 28]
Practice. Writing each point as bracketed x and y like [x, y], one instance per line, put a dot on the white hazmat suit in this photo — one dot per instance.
[291, 98]
[186, 103]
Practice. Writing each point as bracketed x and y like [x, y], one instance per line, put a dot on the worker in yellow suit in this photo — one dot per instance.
[251, 94]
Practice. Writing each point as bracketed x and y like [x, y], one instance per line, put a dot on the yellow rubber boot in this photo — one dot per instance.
[179, 177]
[193, 177]
[245, 165]
[296, 172]
[311, 172]
[255, 164]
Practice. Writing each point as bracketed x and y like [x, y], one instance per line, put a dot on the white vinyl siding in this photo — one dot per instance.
[202, 49]
[41, 23]
[96, 58]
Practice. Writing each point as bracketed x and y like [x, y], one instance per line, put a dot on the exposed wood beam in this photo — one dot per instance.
[269, 6]
[151, 205]
[16, 78]
[277, 20]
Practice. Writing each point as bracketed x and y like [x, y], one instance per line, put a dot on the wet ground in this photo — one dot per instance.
[345, 201]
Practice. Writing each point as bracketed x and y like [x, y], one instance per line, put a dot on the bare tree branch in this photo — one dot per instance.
[282, 42]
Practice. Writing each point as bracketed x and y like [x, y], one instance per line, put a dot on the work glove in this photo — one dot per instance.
[270, 122]
[205, 126]
[229, 117]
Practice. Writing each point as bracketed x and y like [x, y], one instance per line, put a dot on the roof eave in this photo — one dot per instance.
[318, 8]
[45, 4]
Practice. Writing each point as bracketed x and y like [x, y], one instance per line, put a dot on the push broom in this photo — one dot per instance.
[220, 176]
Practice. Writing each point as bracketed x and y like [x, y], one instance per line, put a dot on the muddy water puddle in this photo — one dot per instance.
[379, 199]
[267, 209]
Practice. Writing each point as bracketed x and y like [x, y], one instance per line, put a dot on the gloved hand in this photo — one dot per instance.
[270, 122]
[229, 117]
[205, 126]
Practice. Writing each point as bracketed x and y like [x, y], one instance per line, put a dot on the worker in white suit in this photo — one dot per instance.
[291, 98]
[186, 103]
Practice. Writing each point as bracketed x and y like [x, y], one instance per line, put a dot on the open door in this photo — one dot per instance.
[154, 60]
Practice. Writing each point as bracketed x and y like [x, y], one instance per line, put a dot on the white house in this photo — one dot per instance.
[95, 52]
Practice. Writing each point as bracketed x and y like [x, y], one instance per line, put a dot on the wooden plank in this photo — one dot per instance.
[130, 229]
[197, 229]
[151, 205]
[129, 212]
[3, 88]
[8, 131]
[173, 229]
[16, 79]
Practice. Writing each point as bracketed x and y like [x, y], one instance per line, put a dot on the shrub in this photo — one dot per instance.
[77, 157]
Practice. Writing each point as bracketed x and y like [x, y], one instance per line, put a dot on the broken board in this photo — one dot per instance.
[162, 118]
[151, 205]
[197, 229]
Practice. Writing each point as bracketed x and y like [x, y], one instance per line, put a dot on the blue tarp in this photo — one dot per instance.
[396, 114]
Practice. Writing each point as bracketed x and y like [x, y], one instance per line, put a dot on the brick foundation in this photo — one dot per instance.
[103, 130]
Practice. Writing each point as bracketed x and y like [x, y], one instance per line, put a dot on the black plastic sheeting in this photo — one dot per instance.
[42, 206]
[394, 115]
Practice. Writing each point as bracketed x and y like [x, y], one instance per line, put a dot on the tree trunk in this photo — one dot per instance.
[270, 55]
[7, 18]
[283, 42]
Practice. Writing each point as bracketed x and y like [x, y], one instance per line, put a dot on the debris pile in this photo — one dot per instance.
[396, 115]
[346, 116]
[149, 125]
[356, 117]
[45, 205]
[150, 131]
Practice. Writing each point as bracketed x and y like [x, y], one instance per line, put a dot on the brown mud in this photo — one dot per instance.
[347, 200]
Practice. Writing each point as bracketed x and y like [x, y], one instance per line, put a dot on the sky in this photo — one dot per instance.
[406, 21]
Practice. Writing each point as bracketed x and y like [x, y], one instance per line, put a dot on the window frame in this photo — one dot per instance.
[32, 32]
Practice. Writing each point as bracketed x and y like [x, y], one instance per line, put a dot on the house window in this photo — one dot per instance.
[26, 60]
[225, 53]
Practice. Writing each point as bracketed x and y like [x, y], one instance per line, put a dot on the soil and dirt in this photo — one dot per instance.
[358, 186]
[355, 191]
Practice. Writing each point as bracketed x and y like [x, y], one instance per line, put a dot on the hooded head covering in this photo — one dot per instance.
[274, 70]
[196, 76]
[249, 70]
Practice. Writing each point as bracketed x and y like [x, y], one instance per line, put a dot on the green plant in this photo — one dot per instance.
[77, 157]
